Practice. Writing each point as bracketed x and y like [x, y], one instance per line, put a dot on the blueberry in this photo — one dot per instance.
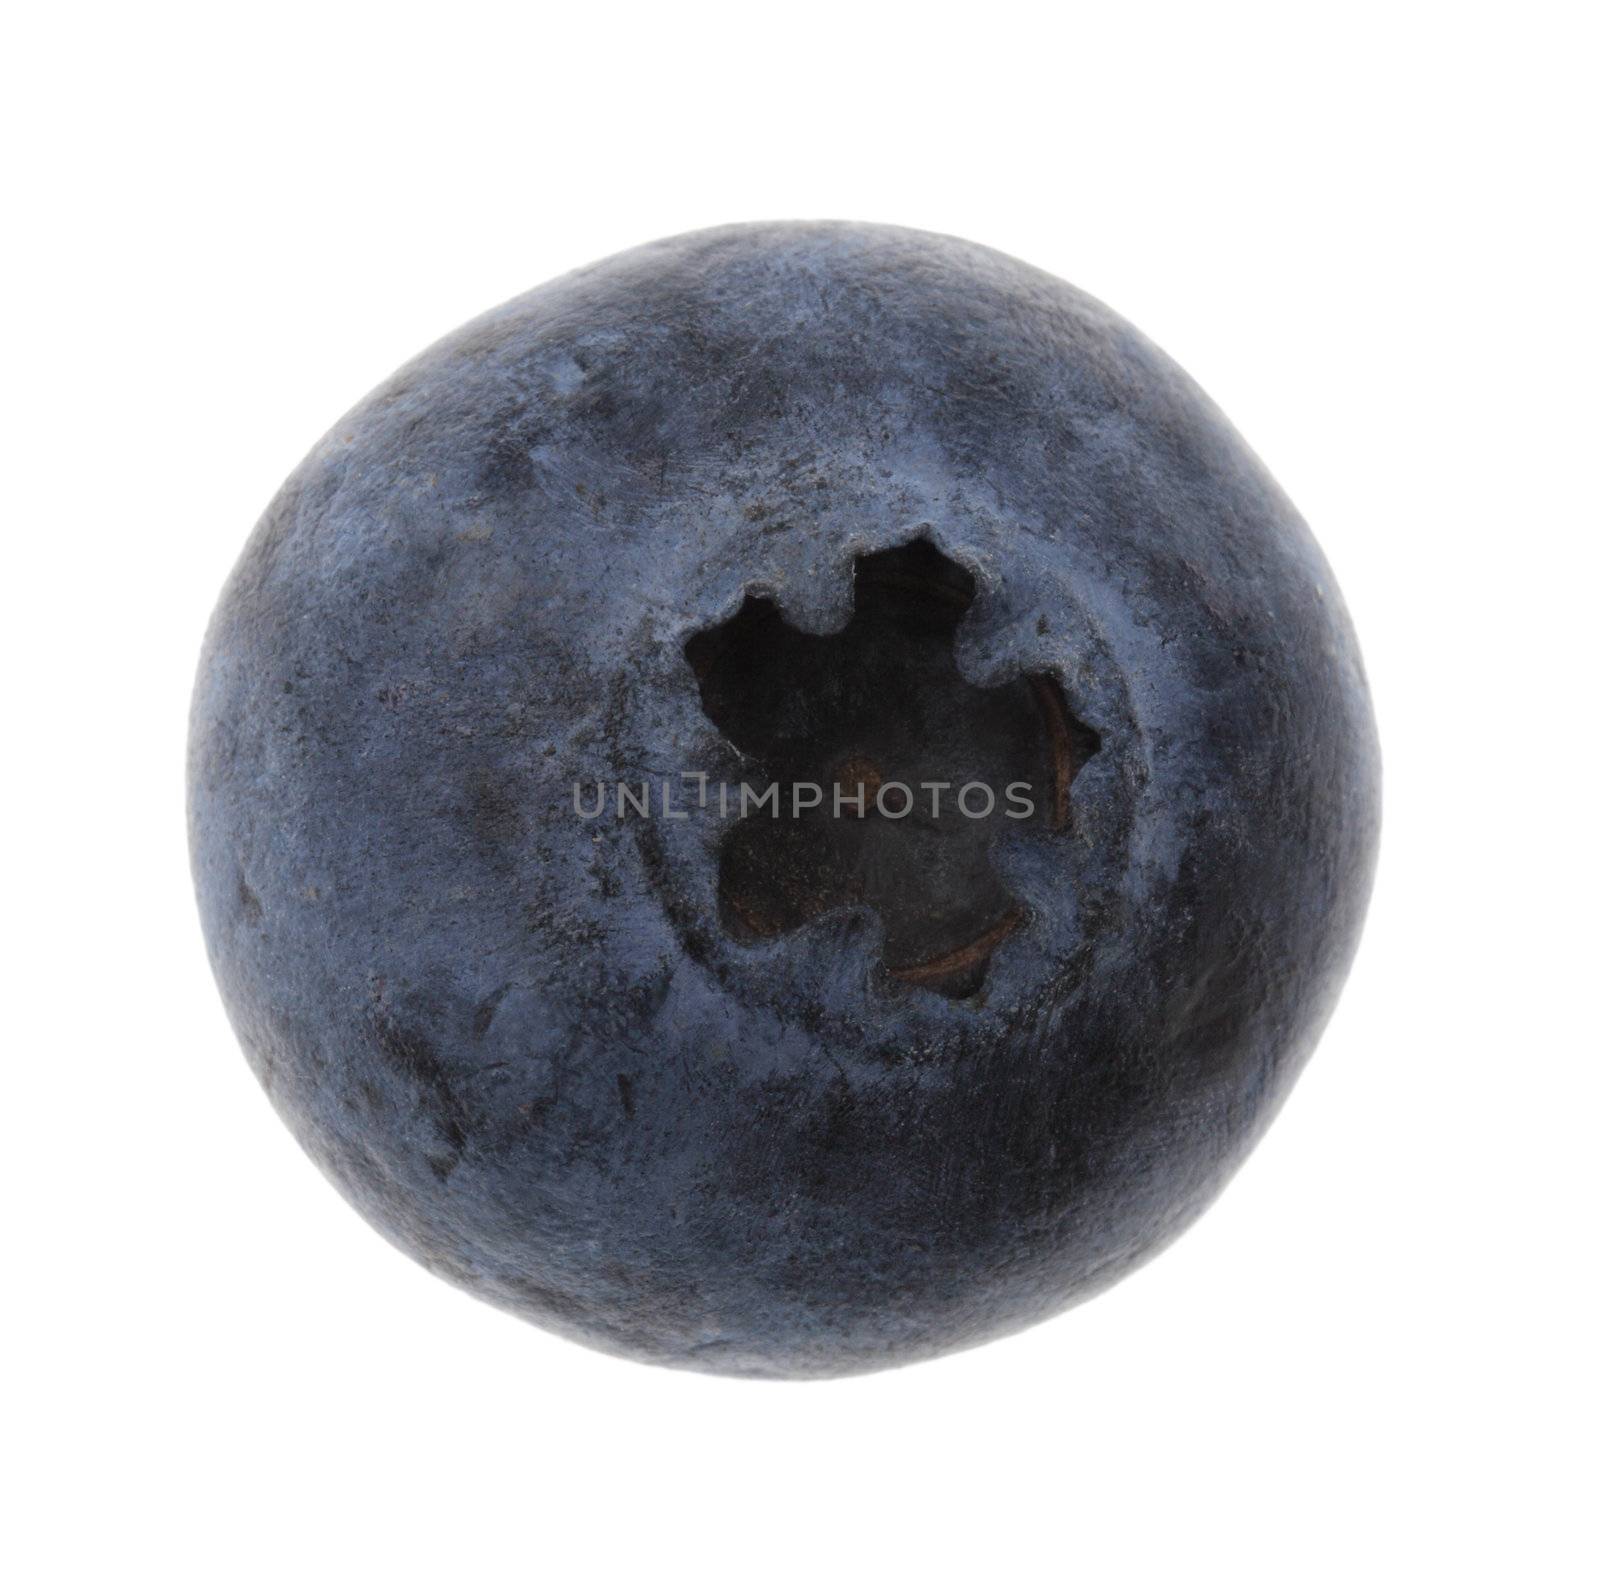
[563, 777]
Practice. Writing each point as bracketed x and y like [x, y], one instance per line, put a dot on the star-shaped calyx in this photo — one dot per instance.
[880, 712]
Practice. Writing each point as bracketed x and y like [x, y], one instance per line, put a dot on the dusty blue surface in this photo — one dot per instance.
[521, 1042]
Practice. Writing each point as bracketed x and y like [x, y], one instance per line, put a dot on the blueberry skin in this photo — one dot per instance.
[523, 1043]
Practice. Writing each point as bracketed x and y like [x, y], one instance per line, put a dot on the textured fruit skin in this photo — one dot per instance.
[521, 1043]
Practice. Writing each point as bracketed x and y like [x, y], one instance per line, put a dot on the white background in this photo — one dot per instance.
[1366, 232]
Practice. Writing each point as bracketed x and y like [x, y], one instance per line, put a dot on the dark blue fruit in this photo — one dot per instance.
[826, 507]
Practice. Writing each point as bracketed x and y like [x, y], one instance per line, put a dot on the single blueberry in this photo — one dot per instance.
[501, 771]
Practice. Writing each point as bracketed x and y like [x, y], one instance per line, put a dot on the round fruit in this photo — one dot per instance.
[785, 803]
